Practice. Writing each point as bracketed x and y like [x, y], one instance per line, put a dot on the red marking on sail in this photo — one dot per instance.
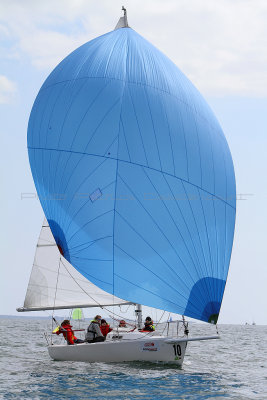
[60, 249]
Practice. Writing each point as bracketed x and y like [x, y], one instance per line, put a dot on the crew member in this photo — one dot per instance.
[94, 333]
[66, 330]
[149, 327]
[122, 324]
[105, 327]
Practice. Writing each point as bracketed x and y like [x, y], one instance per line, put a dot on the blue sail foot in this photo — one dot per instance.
[213, 319]
[209, 292]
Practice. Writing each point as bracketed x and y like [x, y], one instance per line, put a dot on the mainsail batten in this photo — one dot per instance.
[135, 176]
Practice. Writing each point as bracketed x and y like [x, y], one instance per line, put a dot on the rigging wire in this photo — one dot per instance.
[99, 305]
[165, 324]
[124, 312]
[118, 320]
[185, 324]
[160, 319]
[55, 299]
[103, 307]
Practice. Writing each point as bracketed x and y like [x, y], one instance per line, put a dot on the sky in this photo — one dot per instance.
[220, 46]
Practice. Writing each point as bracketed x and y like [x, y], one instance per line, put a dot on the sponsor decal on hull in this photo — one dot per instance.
[149, 346]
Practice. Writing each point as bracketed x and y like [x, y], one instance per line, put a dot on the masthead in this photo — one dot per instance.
[123, 21]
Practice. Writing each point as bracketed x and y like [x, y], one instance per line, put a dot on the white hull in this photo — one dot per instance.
[149, 348]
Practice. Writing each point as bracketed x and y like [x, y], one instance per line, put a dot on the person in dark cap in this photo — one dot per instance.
[149, 327]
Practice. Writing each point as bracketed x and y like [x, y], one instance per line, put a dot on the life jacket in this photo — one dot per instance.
[105, 329]
[149, 327]
[67, 333]
[93, 321]
[91, 329]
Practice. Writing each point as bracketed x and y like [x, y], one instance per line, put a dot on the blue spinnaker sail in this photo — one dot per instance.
[135, 176]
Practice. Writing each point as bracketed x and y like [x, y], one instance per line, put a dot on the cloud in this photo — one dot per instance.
[221, 46]
[7, 90]
[47, 48]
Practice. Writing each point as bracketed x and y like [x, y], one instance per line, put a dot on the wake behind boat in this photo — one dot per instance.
[137, 184]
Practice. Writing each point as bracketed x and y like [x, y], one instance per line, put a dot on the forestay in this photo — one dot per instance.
[135, 177]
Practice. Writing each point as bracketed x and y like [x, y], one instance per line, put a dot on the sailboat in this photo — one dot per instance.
[137, 185]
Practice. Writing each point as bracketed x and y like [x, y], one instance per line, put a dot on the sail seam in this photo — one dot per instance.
[74, 169]
[169, 131]
[144, 266]
[162, 280]
[84, 273]
[91, 259]
[213, 291]
[89, 243]
[139, 165]
[162, 234]
[156, 224]
[213, 175]
[50, 206]
[93, 101]
[153, 126]
[200, 242]
[226, 193]
[177, 306]
[184, 220]
[126, 141]
[137, 122]
[87, 177]
[55, 180]
[178, 230]
[116, 182]
[87, 223]
[148, 244]
[84, 204]
[117, 164]
[80, 66]
[139, 84]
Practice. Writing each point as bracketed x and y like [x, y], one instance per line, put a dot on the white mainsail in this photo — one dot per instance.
[55, 284]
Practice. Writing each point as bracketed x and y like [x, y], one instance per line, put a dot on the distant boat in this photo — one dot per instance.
[137, 184]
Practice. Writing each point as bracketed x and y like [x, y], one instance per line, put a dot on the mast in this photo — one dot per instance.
[138, 312]
[123, 21]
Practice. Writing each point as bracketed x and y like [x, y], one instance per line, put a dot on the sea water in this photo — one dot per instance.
[234, 367]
